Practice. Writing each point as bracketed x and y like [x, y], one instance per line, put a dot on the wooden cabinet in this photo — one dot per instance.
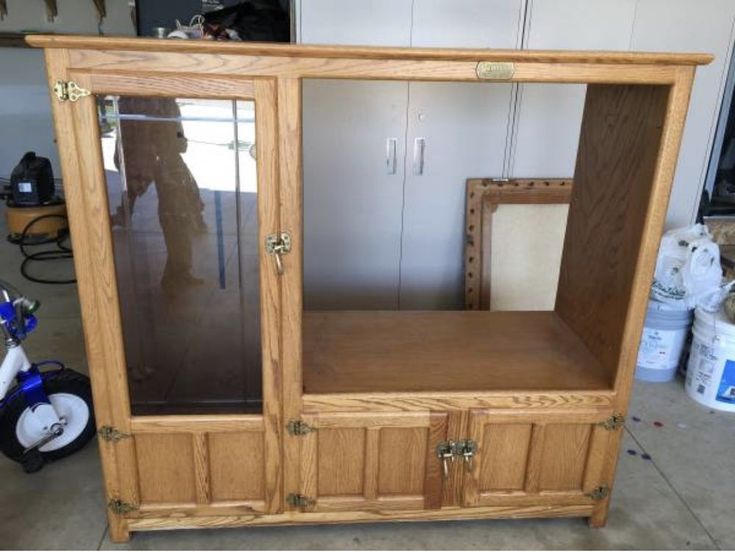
[204, 464]
[224, 399]
[368, 461]
[534, 459]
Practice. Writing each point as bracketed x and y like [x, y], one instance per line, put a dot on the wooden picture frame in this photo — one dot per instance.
[484, 195]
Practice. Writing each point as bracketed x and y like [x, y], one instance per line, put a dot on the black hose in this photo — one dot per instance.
[63, 251]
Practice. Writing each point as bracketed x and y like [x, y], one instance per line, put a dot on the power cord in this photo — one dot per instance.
[61, 252]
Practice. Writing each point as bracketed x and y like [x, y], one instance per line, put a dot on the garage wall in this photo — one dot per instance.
[25, 110]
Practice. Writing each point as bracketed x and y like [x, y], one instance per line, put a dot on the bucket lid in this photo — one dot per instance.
[664, 310]
[715, 321]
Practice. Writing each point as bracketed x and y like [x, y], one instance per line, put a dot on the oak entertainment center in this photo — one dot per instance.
[221, 401]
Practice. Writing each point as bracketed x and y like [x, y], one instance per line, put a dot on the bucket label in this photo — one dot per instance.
[701, 367]
[660, 349]
[726, 391]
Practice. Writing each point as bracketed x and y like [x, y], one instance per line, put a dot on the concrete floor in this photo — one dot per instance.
[683, 497]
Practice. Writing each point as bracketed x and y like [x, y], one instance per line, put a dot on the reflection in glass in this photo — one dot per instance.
[182, 191]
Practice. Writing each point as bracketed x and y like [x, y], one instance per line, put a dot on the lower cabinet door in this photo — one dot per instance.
[535, 459]
[205, 465]
[380, 461]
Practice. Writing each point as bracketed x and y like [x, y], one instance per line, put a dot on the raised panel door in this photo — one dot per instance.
[535, 459]
[377, 462]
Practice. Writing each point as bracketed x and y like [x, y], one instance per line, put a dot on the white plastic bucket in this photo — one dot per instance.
[664, 334]
[710, 376]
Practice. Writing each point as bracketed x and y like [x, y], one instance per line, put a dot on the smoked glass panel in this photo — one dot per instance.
[182, 189]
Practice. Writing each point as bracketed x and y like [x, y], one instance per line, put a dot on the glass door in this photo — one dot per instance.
[178, 194]
[182, 185]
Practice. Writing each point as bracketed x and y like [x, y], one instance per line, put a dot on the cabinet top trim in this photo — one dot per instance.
[366, 52]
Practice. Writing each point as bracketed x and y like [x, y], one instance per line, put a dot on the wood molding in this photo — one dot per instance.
[362, 52]
[183, 521]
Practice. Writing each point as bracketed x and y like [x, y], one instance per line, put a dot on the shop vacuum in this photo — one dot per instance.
[35, 214]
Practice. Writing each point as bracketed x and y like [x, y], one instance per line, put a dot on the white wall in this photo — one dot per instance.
[25, 110]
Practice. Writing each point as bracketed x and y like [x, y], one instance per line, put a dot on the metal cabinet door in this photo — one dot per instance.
[455, 131]
[704, 26]
[549, 115]
[353, 149]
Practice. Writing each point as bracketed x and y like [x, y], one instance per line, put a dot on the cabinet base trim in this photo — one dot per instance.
[182, 521]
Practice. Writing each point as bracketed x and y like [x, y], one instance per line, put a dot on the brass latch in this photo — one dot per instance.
[599, 493]
[277, 245]
[109, 433]
[120, 507]
[616, 421]
[447, 451]
[296, 500]
[298, 427]
[69, 91]
[467, 449]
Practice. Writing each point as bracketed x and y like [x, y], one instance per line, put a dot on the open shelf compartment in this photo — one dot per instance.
[445, 351]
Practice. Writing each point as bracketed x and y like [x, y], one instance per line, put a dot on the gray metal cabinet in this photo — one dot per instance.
[357, 22]
[353, 136]
[455, 130]
[686, 26]
[410, 248]
[546, 132]
[546, 129]
[354, 148]
[437, 135]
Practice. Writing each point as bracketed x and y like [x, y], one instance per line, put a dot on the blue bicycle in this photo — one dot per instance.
[48, 413]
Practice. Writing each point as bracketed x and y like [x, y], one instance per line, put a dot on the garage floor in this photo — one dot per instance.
[680, 495]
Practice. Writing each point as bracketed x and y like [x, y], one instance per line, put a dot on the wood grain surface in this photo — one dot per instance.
[402, 351]
[270, 49]
[619, 145]
[529, 387]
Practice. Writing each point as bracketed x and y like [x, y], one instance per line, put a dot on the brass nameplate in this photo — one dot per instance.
[492, 70]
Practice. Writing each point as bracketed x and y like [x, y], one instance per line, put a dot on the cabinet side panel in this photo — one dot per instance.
[614, 177]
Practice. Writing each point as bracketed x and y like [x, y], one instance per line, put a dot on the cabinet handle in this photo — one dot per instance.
[391, 145]
[419, 145]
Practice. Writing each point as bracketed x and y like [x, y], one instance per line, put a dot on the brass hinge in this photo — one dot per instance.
[298, 427]
[616, 421]
[599, 493]
[493, 70]
[300, 501]
[109, 433]
[120, 507]
[69, 91]
[277, 245]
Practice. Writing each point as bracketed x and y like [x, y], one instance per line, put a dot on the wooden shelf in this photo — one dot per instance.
[407, 351]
